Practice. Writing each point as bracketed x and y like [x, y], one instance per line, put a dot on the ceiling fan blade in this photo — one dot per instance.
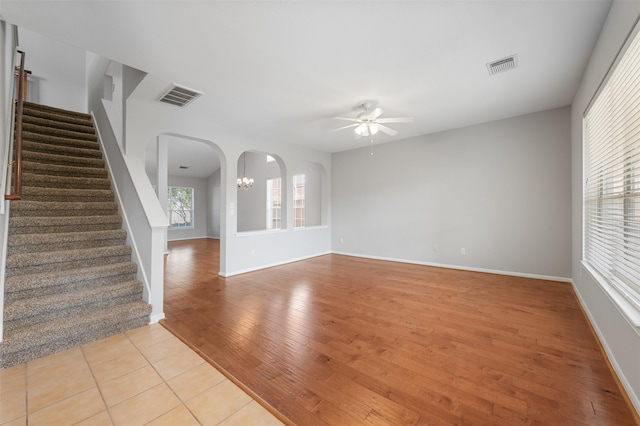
[396, 120]
[377, 112]
[344, 127]
[347, 119]
[387, 130]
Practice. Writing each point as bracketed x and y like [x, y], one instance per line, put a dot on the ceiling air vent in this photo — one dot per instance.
[502, 65]
[180, 96]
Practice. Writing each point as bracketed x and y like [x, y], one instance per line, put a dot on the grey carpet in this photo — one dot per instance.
[69, 275]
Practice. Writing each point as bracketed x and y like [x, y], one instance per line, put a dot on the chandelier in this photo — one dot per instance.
[244, 183]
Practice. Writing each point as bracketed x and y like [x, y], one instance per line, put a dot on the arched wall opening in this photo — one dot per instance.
[262, 207]
[192, 173]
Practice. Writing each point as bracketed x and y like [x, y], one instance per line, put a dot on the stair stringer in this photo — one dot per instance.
[143, 217]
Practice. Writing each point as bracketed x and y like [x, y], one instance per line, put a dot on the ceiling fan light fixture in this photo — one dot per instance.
[361, 130]
[369, 123]
[367, 129]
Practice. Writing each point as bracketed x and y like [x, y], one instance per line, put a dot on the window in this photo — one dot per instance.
[298, 201]
[274, 203]
[612, 182]
[181, 206]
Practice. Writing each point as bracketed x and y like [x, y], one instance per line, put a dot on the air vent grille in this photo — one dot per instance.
[502, 65]
[180, 96]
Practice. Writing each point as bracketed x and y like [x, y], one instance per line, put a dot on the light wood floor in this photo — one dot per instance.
[346, 341]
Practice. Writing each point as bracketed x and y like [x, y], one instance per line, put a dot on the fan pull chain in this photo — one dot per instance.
[371, 136]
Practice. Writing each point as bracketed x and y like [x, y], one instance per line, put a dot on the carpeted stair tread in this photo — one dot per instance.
[57, 132]
[52, 336]
[65, 224]
[56, 209]
[28, 263]
[39, 108]
[26, 309]
[79, 221]
[55, 123]
[101, 299]
[57, 117]
[66, 150]
[31, 243]
[17, 285]
[67, 171]
[62, 160]
[70, 182]
[12, 358]
[62, 194]
[45, 139]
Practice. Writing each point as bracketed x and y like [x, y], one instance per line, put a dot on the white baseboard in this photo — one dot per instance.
[155, 318]
[193, 238]
[463, 268]
[414, 262]
[271, 265]
[633, 397]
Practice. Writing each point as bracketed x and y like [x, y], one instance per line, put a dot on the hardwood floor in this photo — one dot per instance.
[339, 340]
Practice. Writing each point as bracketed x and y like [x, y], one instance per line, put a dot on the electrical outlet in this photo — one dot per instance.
[463, 251]
[435, 247]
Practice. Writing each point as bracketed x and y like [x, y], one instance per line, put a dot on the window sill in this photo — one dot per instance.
[260, 232]
[310, 228]
[279, 231]
[629, 310]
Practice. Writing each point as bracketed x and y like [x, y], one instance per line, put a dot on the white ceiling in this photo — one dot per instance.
[199, 158]
[279, 70]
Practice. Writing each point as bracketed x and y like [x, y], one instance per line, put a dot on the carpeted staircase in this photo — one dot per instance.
[69, 275]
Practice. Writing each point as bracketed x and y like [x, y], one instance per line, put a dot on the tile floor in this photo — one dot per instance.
[143, 377]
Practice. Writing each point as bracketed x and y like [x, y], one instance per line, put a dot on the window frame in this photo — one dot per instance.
[299, 201]
[191, 211]
[274, 207]
[611, 182]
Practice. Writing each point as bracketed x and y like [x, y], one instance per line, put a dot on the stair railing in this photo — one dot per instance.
[17, 183]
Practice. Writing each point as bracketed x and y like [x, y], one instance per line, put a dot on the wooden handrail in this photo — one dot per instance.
[17, 184]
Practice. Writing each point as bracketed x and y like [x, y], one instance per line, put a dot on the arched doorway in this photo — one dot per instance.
[192, 174]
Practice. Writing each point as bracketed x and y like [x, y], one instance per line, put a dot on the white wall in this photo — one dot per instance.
[213, 205]
[500, 190]
[620, 339]
[58, 72]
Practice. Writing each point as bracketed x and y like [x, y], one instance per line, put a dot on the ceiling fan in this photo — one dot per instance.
[368, 122]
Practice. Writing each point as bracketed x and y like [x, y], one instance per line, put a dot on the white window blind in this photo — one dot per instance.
[612, 179]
